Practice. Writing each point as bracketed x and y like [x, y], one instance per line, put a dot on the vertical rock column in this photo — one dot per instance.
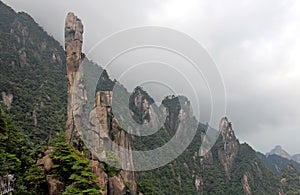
[73, 47]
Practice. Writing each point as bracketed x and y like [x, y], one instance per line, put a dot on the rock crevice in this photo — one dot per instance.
[73, 49]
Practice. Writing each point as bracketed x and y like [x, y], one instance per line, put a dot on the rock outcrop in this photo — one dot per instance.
[290, 181]
[141, 102]
[229, 150]
[116, 186]
[54, 185]
[103, 126]
[7, 99]
[246, 180]
[102, 177]
[106, 134]
[73, 48]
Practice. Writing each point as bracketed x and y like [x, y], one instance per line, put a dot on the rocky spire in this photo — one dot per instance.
[228, 152]
[73, 47]
[100, 115]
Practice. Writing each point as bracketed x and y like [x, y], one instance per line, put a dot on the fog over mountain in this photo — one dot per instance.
[255, 44]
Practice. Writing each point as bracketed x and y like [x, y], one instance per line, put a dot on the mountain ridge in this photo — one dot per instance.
[228, 168]
[32, 81]
[279, 151]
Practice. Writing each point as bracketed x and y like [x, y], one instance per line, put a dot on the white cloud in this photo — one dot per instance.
[173, 11]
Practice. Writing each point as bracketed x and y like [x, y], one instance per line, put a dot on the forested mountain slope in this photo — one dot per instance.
[33, 87]
[33, 84]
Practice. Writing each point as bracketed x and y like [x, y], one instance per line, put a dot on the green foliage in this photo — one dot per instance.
[63, 158]
[36, 179]
[177, 177]
[172, 104]
[263, 180]
[32, 70]
[127, 186]
[112, 164]
[145, 187]
[6, 17]
[104, 83]
[290, 180]
[72, 168]
[81, 179]
[277, 163]
[139, 116]
[16, 153]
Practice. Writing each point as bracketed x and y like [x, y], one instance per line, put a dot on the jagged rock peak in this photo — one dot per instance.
[73, 41]
[226, 129]
[140, 102]
[139, 91]
[278, 150]
[228, 152]
[73, 26]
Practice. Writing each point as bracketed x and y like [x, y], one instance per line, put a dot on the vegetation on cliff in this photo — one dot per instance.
[16, 152]
[32, 73]
[33, 86]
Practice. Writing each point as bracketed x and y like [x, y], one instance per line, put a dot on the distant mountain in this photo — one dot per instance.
[228, 168]
[277, 163]
[296, 158]
[33, 86]
[278, 150]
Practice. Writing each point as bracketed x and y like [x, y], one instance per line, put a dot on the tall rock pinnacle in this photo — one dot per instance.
[101, 118]
[73, 48]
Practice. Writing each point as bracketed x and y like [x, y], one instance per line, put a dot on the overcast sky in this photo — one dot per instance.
[255, 43]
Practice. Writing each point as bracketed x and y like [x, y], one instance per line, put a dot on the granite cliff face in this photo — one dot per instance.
[109, 141]
[31, 59]
[246, 180]
[229, 150]
[141, 106]
[73, 48]
[104, 132]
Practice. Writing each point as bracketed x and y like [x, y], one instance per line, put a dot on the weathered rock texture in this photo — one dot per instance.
[144, 112]
[54, 186]
[46, 160]
[73, 48]
[105, 134]
[7, 99]
[229, 151]
[102, 177]
[116, 186]
[246, 180]
[103, 126]
[142, 105]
